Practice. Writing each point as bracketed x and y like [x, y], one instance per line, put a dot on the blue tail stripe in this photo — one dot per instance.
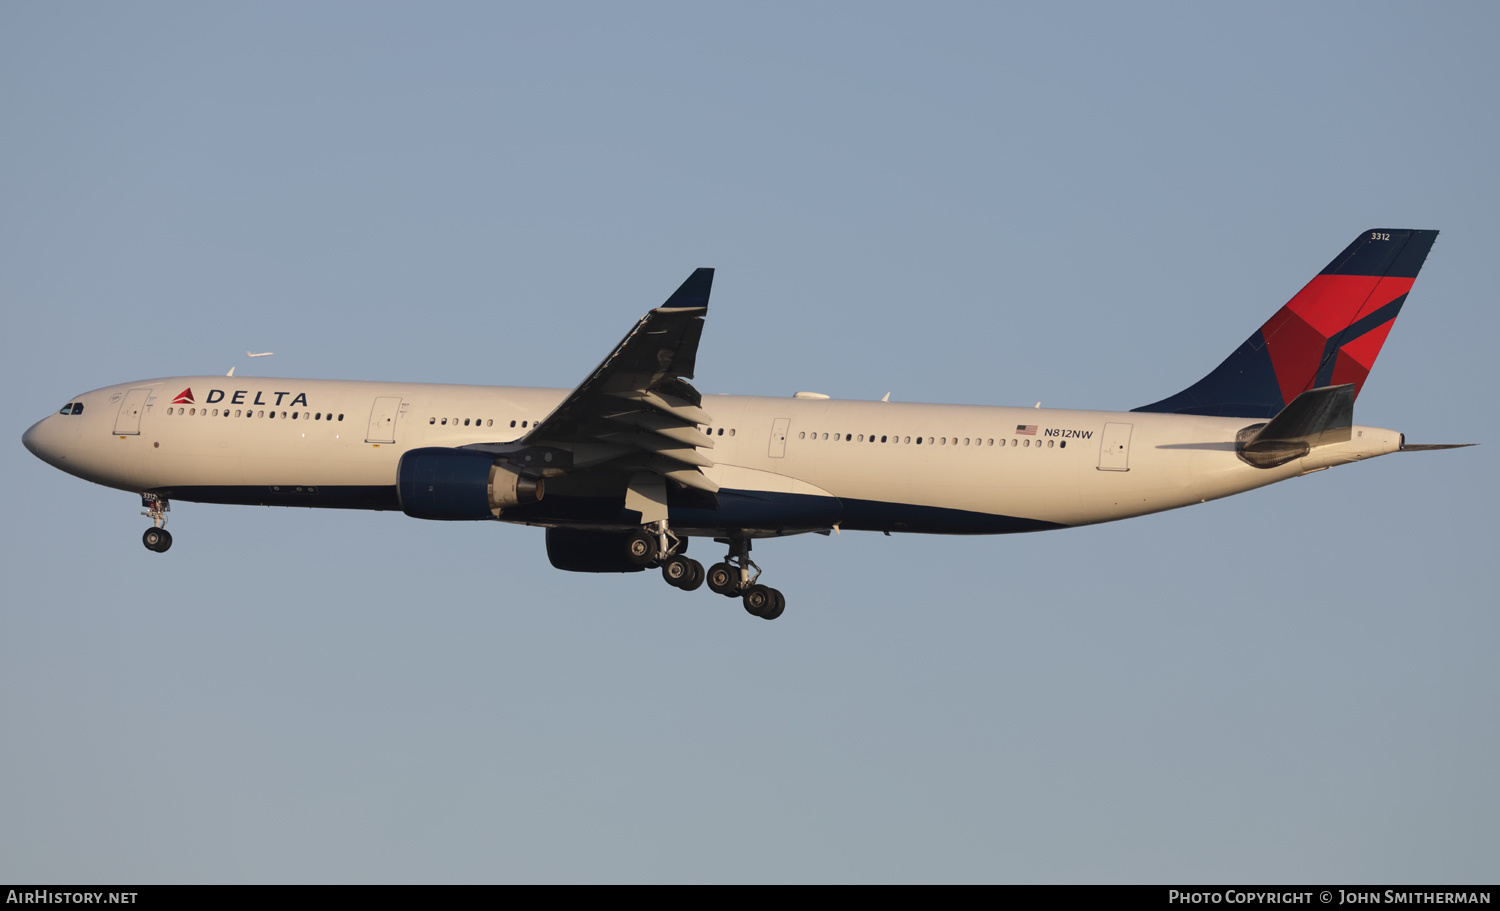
[1349, 334]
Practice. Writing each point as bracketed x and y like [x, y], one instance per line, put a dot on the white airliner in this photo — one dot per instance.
[625, 468]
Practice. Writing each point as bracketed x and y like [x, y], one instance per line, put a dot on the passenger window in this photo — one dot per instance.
[490, 422]
[731, 431]
[802, 436]
[1063, 444]
[512, 423]
[466, 422]
[341, 417]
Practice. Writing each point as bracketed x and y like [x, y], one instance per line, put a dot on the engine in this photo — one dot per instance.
[580, 551]
[440, 483]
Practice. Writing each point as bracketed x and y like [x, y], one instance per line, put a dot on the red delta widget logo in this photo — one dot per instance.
[185, 397]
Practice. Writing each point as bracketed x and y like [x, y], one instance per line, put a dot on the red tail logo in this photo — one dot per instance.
[185, 397]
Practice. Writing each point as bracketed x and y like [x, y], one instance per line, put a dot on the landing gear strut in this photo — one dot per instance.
[733, 578]
[156, 538]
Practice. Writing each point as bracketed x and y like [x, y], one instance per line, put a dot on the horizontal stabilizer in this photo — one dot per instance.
[1314, 418]
[1427, 447]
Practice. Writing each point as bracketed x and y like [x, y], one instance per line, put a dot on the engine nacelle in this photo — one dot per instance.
[440, 483]
[579, 551]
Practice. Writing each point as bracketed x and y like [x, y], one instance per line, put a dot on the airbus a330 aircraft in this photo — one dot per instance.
[625, 468]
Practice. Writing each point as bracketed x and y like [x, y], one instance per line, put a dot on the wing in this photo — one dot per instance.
[636, 411]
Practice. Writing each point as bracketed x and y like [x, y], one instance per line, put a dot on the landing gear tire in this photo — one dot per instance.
[157, 540]
[681, 572]
[677, 571]
[640, 549]
[723, 579]
[764, 602]
[776, 609]
[696, 582]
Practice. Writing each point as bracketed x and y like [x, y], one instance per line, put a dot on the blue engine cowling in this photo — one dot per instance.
[442, 483]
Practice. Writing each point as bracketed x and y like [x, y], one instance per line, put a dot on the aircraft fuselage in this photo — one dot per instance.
[783, 465]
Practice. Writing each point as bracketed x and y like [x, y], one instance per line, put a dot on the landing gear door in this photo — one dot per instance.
[778, 437]
[1114, 447]
[129, 419]
[383, 419]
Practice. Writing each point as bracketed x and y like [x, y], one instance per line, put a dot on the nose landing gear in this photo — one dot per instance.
[156, 538]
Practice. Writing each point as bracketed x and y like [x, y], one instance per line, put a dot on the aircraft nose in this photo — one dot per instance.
[36, 439]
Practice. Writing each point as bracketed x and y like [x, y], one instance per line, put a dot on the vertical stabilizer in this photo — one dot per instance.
[1328, 335]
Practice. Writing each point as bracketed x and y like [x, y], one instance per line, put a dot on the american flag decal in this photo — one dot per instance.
[1026, 430]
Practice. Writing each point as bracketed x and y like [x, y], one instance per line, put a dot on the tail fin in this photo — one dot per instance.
[1328, 335]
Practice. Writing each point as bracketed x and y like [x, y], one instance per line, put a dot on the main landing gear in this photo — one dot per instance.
[156, 538]
[655, 545]
[732, 579]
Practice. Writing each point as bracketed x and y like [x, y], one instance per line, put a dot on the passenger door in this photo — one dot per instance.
[383, 419]
[128, 421]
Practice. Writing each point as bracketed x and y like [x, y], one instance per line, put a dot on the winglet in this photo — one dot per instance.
[693, 293]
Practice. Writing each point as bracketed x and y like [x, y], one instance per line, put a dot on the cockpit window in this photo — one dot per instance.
[78, 408]
[67, 409]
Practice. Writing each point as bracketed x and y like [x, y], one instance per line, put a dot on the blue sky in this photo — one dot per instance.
[1085, 204]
